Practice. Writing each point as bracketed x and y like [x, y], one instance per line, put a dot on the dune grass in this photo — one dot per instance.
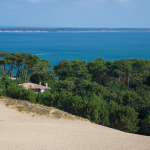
[38, 110]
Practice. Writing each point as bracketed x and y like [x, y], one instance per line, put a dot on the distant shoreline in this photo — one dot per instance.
[18, 31]
[72, 30]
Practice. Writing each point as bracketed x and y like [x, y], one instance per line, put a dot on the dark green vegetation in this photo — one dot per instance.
[113, 93]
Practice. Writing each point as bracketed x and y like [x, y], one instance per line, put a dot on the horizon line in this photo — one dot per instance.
[72, 27]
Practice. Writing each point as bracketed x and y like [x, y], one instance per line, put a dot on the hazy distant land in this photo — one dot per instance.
[31, 29]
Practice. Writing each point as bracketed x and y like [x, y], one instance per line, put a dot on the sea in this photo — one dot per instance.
[86, 46]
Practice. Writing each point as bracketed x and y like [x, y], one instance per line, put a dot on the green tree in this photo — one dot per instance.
[123, 67]
[123, 118]
[11, 61]
[75, 68]
[144, 124]
[31, 96]
[98, 69]
[3, 61]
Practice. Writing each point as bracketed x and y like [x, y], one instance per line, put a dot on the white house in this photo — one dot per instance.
[35, 87]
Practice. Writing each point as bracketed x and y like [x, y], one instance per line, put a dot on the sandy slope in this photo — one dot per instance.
[20, 131]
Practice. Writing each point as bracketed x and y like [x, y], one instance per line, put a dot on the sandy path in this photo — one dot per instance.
[19, 131]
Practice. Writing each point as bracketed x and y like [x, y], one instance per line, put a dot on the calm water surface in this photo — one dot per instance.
[84, 46]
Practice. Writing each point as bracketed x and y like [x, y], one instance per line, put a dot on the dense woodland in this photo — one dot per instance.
[113, 93]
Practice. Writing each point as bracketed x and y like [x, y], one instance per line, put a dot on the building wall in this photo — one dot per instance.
[38, 90]
[42, 91]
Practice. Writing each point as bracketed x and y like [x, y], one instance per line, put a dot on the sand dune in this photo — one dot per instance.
[20, 131]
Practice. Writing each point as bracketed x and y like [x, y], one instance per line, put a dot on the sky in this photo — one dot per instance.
[76, 13]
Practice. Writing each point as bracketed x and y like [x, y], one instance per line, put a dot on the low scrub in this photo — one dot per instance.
[39, 110]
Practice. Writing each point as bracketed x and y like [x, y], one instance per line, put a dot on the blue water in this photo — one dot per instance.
[84, 46]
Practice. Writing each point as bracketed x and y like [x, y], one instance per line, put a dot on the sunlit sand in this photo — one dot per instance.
[21, 131]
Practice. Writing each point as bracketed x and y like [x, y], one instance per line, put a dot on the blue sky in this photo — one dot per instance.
[76, 13]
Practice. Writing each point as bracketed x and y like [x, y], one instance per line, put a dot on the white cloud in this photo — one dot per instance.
[122, 1]
[34, 1]
[66, 1]
[99, 0]
[86, 3]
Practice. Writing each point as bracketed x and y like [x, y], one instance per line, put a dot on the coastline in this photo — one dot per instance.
[69, 31]
[37, 31]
